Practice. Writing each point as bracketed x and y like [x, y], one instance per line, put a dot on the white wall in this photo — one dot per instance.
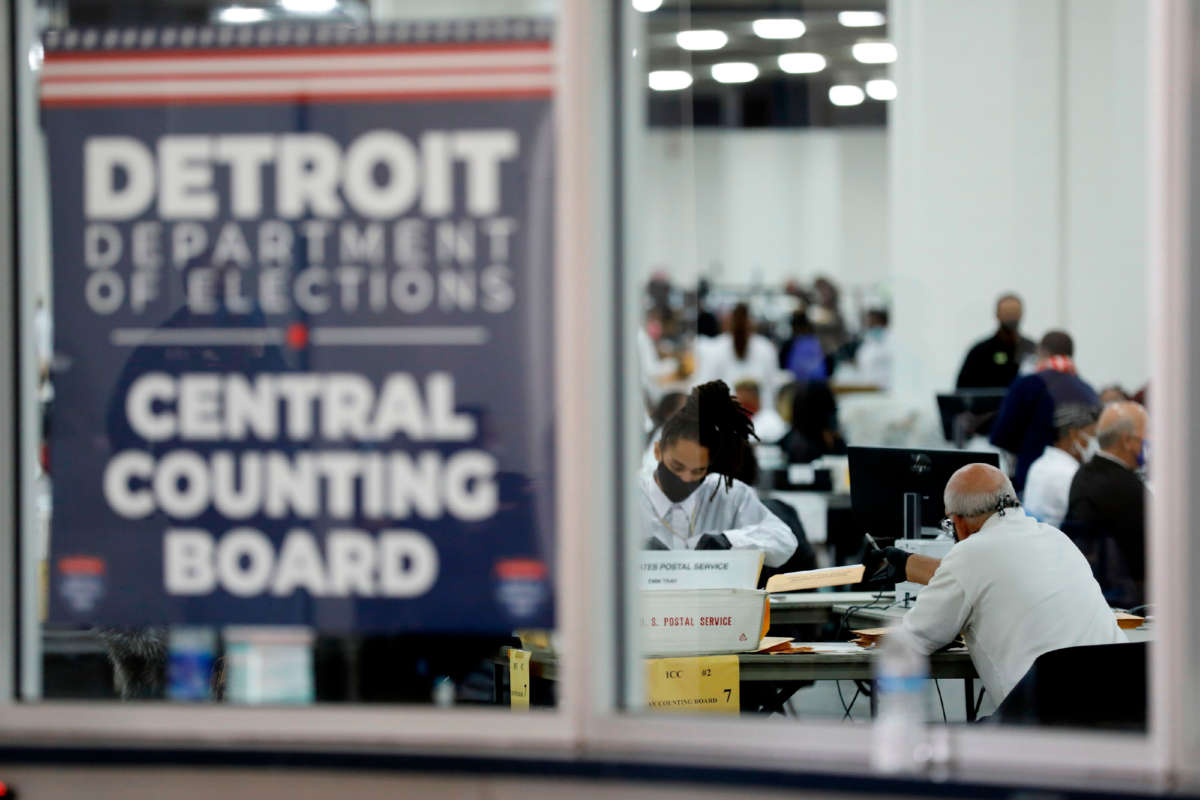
[1018, 162]
[1106, 225]
[747, 206]
[1015, 160]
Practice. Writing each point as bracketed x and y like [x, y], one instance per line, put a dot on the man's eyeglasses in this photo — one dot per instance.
[947, 526]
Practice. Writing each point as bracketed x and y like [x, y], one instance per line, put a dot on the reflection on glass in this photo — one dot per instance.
[301, 430]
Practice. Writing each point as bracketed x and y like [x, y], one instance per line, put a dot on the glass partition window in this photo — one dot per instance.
[289, 268]
[894, 461]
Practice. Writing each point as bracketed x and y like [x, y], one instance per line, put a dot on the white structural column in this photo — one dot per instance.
[1106, 147]
[1018, 162]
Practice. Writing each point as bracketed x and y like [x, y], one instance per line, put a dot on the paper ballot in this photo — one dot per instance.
[815, 578]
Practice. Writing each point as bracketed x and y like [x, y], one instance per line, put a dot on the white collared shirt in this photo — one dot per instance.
[1016, 588]
[1048, 485]
[736, 512]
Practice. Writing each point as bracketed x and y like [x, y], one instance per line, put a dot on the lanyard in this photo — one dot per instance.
[691, 523]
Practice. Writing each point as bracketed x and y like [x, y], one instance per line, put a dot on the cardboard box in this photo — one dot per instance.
[699, 569]
[702, 621]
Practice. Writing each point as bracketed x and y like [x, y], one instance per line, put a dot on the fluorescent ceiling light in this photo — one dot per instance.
[646, 6]
[861, 19]
[801, 63]
[239, 15]
[701, 40]
[881, 89]
[778, 28]
[845, 95]
[734, 72]
[669, 80]
[308, 6]
[874, 52]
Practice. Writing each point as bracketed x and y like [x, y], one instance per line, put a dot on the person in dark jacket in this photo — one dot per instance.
[815, 431]
[995, 362]
[1106, 509]
[1024, 424]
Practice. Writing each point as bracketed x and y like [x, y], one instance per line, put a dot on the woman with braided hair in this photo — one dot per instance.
[692, 499]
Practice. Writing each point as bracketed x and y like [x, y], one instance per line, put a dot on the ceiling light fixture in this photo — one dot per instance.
[881, 89]
[874, 52]
[861, 19]
[241, 15]
[778, 28]
[646, 6]
[308, 6]
[734, 72]
[801, 63]
[701, 40]
[845, 95]
[669, 80]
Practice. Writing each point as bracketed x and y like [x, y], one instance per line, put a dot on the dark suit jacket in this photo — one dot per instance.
[1107, 498]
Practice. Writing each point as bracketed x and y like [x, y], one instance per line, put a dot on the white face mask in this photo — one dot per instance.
[1090, 447]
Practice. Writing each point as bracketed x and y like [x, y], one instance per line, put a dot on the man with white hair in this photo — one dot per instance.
[1014, 587]
[1106, 512]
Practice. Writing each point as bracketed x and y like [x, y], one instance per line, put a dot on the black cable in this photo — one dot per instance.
[850, 612]
[937, 685]
[853, 700]
[845, 708]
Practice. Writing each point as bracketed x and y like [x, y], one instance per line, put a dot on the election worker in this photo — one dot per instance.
[1106, 510]
[1014, 587]
[1024, 425]
[691, 501]
[994, 362]
[1048, 485]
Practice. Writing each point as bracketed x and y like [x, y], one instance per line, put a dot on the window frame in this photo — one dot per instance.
[1157, 761]
[582, 336]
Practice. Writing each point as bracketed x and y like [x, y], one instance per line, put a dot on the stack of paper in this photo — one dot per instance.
[781, 644]
[1129, 621]
[868, 637]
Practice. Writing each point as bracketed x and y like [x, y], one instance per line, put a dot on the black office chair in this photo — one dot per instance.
[1110, 565]
[1096, 686]
[803, 557]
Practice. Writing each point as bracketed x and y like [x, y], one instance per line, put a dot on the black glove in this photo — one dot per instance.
[654, 543]
[713, 541]
[876, 561]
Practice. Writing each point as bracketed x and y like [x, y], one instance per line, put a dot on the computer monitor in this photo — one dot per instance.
[981, 404]
[881, 476]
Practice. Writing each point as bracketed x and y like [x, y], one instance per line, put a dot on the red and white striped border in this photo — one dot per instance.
[432, 71]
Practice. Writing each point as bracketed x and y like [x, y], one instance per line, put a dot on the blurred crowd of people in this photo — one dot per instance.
[786, 354]
[1076, 455]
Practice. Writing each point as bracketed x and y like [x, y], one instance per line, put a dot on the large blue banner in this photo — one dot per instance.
[303, 311]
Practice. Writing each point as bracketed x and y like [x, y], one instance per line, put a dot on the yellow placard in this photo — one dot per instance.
[705, 683]
[518, 677]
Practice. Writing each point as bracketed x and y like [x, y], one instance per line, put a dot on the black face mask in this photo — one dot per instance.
[674, 487]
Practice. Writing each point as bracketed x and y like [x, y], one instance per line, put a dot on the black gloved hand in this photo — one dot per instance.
[875, 562]
[654, 543]
[713, 541]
